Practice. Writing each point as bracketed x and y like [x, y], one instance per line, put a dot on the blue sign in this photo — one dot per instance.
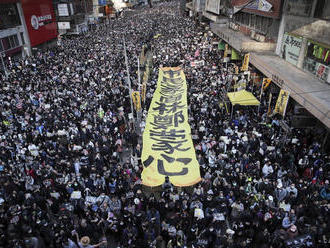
[102, 2]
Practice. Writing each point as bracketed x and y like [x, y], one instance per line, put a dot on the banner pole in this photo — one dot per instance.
[129, 82]
[138, 113]
[262, 89]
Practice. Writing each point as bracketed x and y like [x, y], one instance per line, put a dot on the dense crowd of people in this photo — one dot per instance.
[66, 178]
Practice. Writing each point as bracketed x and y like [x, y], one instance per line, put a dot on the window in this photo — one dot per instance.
[10, 42]
[13, 41]
[22, 38]
[299, 7]
[9, 16]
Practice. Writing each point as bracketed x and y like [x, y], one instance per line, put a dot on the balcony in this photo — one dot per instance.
[239, 41]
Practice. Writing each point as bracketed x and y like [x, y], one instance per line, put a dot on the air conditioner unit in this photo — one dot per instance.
[260, 38]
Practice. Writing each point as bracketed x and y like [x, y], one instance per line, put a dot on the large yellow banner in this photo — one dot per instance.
[167, 145]
[282, 102]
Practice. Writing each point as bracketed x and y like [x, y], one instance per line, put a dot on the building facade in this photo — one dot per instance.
[287, 41]
[25, 25]
[72, 16]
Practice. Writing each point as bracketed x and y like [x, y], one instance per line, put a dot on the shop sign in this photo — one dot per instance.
[40, 20]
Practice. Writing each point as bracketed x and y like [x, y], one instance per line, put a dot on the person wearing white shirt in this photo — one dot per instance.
[267, 169]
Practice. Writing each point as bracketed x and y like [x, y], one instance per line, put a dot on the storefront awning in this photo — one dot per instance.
[304, 88]
[243, 98]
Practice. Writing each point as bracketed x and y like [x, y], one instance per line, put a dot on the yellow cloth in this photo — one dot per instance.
[168, 149]
[242, 97]
[282, 102]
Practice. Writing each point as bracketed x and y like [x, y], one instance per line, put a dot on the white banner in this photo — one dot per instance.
[213, 6]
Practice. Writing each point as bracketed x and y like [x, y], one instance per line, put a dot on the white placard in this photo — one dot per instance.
[76, 195]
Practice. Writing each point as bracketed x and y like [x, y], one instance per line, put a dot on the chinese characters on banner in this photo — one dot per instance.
[282, 102]
[167, 145]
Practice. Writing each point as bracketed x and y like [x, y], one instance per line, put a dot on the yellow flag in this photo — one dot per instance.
[266, 82]
[136, 100]
[226, 51]
[168, 149]
[282, 102]
[143, 92]
[245, 65]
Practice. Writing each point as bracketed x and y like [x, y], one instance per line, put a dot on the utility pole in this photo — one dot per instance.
[139, 76]
[129, 82]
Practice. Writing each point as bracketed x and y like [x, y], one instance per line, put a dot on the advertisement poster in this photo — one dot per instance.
[291, 48]
[40, 20]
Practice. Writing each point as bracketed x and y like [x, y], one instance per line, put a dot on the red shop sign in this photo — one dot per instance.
[40, 20]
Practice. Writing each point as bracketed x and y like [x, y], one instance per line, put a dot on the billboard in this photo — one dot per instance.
[40, 20]
[291, 48]
[213, 6]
